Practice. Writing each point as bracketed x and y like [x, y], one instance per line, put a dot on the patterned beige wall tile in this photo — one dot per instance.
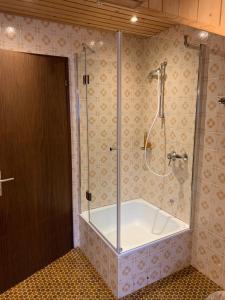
[36, 36]
[209, 236]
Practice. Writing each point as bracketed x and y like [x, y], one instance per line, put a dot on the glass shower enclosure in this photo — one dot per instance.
[97, 82]
[136, 163]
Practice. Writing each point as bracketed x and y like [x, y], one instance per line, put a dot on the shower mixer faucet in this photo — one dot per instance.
[173, 156]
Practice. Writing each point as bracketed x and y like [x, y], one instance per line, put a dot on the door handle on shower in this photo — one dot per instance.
[112, 148]
[4, 180]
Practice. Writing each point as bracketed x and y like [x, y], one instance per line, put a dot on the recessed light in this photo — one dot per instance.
[92, 43]
[10, 31]
[203, 35]
[133, 19]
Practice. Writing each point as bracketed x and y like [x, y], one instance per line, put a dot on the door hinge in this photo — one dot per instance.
[86, 79]
[66, 83]
[88, 196]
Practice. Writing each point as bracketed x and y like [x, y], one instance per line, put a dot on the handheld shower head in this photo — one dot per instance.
[160, 75]
[163, 64]
[159, 71]
[86, 47]
[154, 73]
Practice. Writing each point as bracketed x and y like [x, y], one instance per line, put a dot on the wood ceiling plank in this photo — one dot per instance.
[121, 13]
[189, 9]
[75, 15]
[209, 13]
[156, 5]
[125, 3]
[145, 4]
[146, 24]
[171, 7]
[222, 21]
[89, 13]
[77, 21]
[106, 12]
[141, 12]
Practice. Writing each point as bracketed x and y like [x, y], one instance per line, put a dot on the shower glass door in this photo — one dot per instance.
[98, 134]
[156, 152]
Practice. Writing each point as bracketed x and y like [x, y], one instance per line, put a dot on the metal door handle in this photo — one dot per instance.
[112, 148]
[6, 179]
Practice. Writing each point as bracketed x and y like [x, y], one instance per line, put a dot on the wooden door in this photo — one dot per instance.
[36, 207]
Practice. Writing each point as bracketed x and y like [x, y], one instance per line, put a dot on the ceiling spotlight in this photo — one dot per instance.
[92, 43]
[133, 19]
[10, 30]
[203, 35]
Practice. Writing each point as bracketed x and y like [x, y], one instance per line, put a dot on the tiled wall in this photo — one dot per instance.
[98, 102]
[209, 234]
[153, 262]
[131, 271]
[209, 229]
[178, 134]
[132, 110]
[42, 37]
[36, 36]
[102, 121]
[102, 257]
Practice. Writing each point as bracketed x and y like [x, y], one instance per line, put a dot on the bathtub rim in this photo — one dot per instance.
[129, 251]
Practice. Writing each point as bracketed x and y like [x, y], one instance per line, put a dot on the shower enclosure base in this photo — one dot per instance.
[135, 268]
[141, 223]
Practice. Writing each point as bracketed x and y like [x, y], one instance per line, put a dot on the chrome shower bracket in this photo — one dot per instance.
[162, 87]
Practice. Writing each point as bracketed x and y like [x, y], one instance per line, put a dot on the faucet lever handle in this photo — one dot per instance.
[170, 157]
[173, 156]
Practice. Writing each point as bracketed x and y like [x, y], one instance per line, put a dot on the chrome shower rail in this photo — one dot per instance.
[119, 89]
[160, 74]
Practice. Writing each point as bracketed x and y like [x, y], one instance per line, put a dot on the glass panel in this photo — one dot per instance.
[156, 191]
[99, 134]
[83, 124]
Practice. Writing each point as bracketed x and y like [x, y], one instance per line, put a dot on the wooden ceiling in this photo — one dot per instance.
[99, 14]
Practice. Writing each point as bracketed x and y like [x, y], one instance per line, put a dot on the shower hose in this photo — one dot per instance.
[149, 133]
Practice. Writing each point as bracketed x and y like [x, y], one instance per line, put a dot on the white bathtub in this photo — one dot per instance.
[141, 223]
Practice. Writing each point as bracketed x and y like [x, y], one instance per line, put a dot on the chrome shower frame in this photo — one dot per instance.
[85, 50]
[202, 71]
[118, 129]
[157, 73]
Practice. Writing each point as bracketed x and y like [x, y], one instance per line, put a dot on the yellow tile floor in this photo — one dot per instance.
[73, 277]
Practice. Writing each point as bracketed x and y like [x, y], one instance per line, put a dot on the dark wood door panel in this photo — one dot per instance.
[35, 208]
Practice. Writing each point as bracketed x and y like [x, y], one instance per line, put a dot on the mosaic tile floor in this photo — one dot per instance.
[73, 277]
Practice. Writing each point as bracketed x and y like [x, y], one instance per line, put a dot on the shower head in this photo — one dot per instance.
[163, 64]
[159, 71]
[196, 39]
[160, 74]
[154, 73]
[86, 47]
